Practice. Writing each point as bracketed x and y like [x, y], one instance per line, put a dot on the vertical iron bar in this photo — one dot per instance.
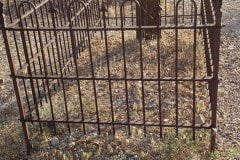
[115, 9]
[99, 16]
[31, 53]
[74, 50]
[165, 10]
[53, 13]
[192, 12]
[104, 10]
[125, 67]
[46, 40]
[183, 11]
[37, 50]
[52, 47]
[78, 33]
[48, 51]
[108, 12]
[61, 51]
[20, 65]
[44, 60]
[15, 81]
[25, 50]
[132, 11]
[142, 72]
[176, 65]
[159, 70]
[194, 66]
[68, 54]
[92, 66]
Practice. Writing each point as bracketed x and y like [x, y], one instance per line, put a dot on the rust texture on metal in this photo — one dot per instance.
[53, 45]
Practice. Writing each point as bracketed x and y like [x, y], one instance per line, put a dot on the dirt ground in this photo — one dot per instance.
[228, 135]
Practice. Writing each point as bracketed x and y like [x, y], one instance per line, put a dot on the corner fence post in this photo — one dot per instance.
[15, 81]
[217, 4]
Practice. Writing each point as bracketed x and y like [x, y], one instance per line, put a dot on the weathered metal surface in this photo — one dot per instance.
[49, 38]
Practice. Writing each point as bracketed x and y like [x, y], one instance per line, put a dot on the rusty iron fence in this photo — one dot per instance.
[114, 63]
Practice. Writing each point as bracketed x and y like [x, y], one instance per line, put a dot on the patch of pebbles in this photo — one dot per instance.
[229, 87]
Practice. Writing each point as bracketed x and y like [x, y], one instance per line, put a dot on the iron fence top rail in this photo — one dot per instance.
[113, 28]
[203, 78]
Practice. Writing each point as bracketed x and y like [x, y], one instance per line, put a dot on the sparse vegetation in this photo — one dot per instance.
[75, 145]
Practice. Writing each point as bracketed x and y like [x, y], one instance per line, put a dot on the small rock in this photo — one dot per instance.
[165, 120]
[54, 141]
[95, 134]
[199, 119]
[215, 130]
[72, 144]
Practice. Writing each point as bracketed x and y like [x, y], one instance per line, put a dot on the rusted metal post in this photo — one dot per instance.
[147, 16]
[213, 34]
[15, 81]
[217, 4]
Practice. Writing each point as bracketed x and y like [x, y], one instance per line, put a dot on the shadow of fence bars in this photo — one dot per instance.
[139, 63]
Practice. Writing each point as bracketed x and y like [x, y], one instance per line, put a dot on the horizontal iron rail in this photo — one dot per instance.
[163, 16]
[55, 78]
[116, 28]
[109, 122]
[204, 78]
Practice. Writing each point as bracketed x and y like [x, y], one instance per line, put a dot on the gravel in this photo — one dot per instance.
[229, 101]
[229, 87]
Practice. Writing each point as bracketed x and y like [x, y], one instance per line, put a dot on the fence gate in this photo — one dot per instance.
[114, 64]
